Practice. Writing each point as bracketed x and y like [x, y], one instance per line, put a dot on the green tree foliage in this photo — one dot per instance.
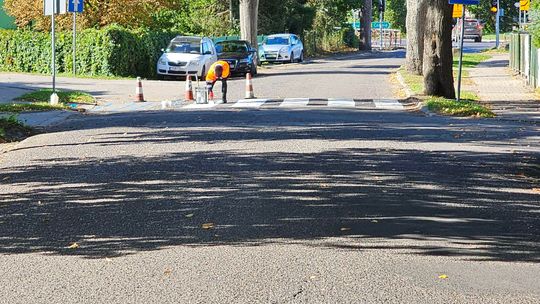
[396, 13]
[293, 16]
[483, 12]
[534, 28]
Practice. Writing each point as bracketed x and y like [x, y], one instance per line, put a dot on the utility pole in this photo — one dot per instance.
[497, 24]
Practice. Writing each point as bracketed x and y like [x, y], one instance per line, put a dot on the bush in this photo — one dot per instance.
[319, 42]
[111, 51]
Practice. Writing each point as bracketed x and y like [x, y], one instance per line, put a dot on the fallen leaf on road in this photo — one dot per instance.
[6, 178]
[168, 271]
[74, 246]
[374, 221]
[208, 226]
[345, 229]
[536, 190]
[443, 277]
[190, 215]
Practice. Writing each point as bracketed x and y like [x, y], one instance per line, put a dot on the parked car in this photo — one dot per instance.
[473, 30]
[281, 48]
[187, 56]
[240, 55]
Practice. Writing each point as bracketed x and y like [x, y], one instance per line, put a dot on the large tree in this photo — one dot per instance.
[438, 58]
[367, 12]
[249, 11]
[416, 24]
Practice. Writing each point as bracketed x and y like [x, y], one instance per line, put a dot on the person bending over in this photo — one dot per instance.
[220, 70]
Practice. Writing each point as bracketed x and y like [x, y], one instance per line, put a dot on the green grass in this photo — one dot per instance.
[463, 108]
[502, 36]
[471, 60]
[64, 97]
[414, 82]
[25, 107]
[11, 129]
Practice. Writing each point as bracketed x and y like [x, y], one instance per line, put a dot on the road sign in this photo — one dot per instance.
[458, 11]
[376, 25]
[356, 25]
[76, 6]
[60, 7]
[466, 2]
[524, 5]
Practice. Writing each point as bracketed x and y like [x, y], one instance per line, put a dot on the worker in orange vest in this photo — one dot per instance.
[220, 70]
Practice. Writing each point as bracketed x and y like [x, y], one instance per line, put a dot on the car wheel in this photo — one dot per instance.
[301, 59]
[292, 57]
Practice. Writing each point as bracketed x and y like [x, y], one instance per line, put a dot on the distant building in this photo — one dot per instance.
[6, 22]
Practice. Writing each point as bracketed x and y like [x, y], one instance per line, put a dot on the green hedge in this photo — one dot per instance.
[112, 51]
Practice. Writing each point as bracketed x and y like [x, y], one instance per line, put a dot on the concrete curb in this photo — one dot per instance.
[401, 80]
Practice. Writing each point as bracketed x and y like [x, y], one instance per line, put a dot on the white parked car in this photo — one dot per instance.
[282, 48]
[187, 56]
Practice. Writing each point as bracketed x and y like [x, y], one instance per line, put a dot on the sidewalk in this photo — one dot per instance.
[508, 96]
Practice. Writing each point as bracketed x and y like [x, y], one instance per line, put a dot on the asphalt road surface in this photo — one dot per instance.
[358, 76]
[272, 206]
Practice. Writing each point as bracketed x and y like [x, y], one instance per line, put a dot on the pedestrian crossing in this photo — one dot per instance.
[287, 103]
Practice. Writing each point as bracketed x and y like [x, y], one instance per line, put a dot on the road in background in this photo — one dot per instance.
[358, 76]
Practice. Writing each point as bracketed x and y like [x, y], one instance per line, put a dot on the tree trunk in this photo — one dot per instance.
[438, 57]
[249, 11]
[367, 12]
[416, 18]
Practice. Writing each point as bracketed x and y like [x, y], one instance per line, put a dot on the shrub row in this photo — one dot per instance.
[111, 51]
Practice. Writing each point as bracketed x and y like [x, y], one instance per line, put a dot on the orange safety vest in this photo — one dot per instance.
[211, 76]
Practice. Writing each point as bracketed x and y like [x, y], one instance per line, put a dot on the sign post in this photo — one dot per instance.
[382, 6]
[75, 6]
[52, 8]
[460, 69]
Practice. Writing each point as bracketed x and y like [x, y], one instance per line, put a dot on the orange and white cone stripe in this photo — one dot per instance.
[139, 90]
[249, 87]
[189, 89]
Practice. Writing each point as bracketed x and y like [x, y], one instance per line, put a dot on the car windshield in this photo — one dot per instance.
[185, 46]
[232, 47]
[470, 23]
[276, 40]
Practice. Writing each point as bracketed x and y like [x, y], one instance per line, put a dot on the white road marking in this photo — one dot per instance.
[388, 104]
[249, 103]
[341, 102]
[294, 102]
[200, 106]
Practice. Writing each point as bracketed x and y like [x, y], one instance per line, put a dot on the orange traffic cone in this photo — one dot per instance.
[139, 90]
[189, 89]
[249, 87]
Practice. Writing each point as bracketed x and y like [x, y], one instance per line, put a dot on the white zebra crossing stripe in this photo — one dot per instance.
[294, 102]
[341, 103]
[201, 106]
[249, 103]
[388, 104]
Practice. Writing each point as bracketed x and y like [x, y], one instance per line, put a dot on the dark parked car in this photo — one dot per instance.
[240, 55]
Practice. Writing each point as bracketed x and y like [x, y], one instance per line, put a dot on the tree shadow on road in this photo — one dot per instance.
[465, 203]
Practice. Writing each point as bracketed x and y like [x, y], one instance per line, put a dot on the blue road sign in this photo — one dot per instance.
[76, 6]
[465, 2]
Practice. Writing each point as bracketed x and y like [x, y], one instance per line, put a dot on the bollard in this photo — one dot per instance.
[249, 87]
[189, 89]
[139, 90]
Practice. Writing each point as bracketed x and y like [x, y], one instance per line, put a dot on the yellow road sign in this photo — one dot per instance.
[458, 11]
[524, 5]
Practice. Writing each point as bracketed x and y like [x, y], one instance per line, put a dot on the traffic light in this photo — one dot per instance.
[382, 5]
[494, 6]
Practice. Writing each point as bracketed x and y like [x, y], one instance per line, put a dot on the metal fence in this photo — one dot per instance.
[392, 39]
[524, 58]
